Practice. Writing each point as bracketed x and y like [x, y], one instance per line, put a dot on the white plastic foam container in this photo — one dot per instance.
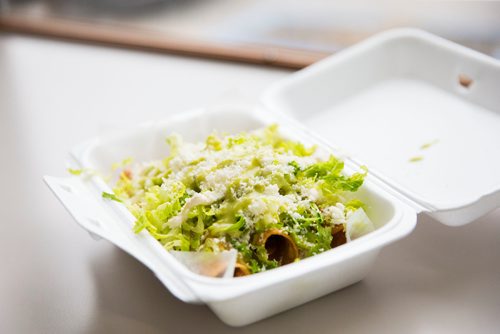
[375, 104]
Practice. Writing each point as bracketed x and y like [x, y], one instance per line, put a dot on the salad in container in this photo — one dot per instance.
[272, 200]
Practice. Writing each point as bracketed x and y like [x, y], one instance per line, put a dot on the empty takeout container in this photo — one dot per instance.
[419, 111]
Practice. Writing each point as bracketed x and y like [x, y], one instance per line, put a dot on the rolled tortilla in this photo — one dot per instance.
[279, 246]
[241, 269]
[338, 235]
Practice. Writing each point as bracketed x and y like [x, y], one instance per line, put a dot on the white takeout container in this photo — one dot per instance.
[375, 104]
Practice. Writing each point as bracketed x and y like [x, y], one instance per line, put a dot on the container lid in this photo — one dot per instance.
[422, 113]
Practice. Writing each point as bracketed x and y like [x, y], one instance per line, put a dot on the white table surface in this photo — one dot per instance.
[55, 279]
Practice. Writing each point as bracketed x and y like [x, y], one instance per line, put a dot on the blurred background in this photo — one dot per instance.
[288, 33]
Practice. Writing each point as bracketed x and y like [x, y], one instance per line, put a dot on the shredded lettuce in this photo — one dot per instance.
[75, 171]
[123, 163]
[111, 196]
[354, 204]
[226, 192]
[82, 171]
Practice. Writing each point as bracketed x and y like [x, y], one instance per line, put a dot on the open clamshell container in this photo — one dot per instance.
[419, 111]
